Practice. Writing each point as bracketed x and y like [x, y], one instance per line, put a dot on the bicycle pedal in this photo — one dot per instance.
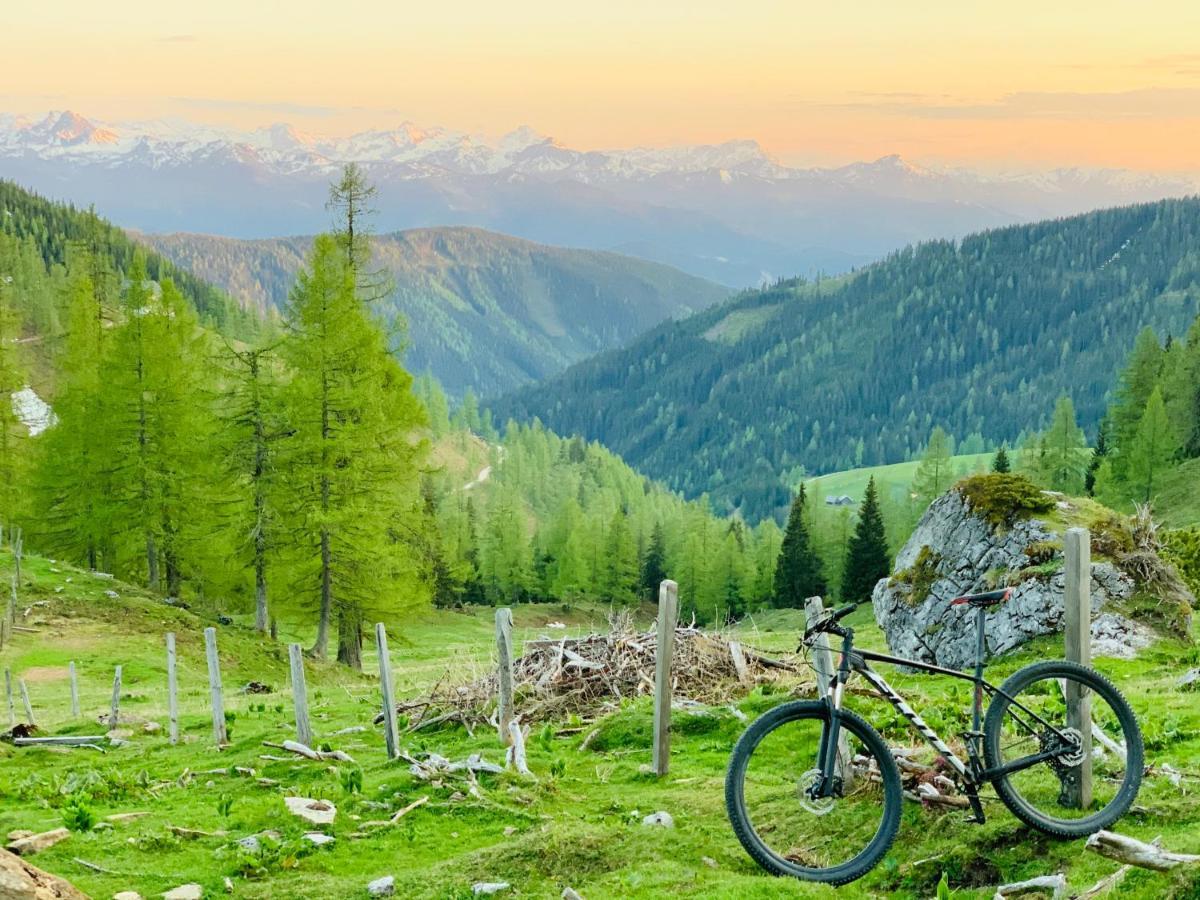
[972, 819]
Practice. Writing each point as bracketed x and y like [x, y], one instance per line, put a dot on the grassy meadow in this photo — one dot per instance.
[577, 825]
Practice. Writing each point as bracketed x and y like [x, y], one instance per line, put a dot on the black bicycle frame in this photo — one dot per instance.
[973, 773]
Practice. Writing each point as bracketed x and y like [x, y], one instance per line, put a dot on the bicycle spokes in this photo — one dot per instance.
[1039, 723]
[784, 806]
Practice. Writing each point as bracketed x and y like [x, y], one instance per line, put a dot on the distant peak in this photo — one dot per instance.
[69, 128]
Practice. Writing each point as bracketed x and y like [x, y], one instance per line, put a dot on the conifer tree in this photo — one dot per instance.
[654, 564]
[1000, 462]
[1151, 449]
[1099, 454]
[798, 573]
[867, 559]
[934, 475]
[350, 465]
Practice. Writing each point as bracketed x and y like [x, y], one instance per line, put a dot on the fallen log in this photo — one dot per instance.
[62, 741]
[1131, 851]
[404, 812]
[1055, 885]
[307, 752]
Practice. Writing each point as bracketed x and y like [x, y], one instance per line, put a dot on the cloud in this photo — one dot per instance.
[1144, 103]
[272, 106]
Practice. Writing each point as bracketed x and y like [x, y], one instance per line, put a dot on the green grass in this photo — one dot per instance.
[577, 825]
[892, 480]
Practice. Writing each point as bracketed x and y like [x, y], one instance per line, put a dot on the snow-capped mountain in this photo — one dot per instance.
[726, 211]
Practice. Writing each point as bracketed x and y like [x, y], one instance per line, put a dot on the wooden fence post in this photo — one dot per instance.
[172, 691]
[1077, 599]
[74, 691]
[390, 735]
[18, 552]
[823, 663]
[214, 685]
[504, 711]
[12, 710]
[668, 613]
[115, 713]
[25, 700]
[300, 695]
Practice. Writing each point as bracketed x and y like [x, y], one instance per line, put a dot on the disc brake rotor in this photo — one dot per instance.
[805, 783]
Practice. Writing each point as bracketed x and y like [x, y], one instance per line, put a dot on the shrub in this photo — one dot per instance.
[77, 814]
[1182, 549]
[1001, 498]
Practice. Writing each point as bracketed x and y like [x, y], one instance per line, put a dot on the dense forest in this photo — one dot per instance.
[482, 311]
[39, 234]
[978, 336]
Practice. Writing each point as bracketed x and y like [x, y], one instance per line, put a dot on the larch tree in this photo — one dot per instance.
[13, 433]
[867, 558]
[253, 427]
[1138, 380]
[70, 481]
[156, 405]
[798, 572]
[350, 466]
[935, 472]
[1064, 458]
[1151, 450]
[619, 573]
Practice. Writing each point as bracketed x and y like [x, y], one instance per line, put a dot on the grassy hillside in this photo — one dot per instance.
[892, 481]
[980, 336]
[577, 825]
[483, 310]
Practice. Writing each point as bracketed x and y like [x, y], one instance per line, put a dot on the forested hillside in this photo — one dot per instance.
[37, 238]
[483, 311]
[979, 336]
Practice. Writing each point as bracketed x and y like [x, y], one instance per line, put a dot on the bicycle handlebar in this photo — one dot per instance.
[824, 623]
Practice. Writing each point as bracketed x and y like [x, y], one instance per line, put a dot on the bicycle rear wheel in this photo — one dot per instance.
[787, 832]
[1030, 716]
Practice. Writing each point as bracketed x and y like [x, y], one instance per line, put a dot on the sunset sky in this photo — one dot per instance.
[1015, 84]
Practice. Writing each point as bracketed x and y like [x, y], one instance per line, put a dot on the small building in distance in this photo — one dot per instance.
[841, 500]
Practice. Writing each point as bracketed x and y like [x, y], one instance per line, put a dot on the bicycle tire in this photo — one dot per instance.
[1134, 753]
[759, 851]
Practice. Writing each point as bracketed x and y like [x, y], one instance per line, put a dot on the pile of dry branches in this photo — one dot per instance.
[556, 677]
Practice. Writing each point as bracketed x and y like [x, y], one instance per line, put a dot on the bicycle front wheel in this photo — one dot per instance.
[1095, 767]
[768, 794]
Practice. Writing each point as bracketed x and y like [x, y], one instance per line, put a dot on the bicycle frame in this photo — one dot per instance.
[972, 772]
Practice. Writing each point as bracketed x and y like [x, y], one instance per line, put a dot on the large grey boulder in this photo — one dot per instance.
[955, 551]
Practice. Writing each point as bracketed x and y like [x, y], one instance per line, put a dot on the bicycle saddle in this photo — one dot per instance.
[991, 598]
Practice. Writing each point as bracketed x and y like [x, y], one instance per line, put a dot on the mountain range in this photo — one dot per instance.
[483, 311]
[980, 336]
[728, 212]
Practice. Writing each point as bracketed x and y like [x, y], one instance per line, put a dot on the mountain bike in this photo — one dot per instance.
[813, 792]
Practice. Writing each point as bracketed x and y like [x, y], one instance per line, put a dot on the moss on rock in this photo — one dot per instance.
[1002, 497]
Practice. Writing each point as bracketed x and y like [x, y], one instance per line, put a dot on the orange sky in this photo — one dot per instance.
[1012, 84]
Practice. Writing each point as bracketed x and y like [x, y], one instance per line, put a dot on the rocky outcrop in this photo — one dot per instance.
[956, 550]
[21, 881]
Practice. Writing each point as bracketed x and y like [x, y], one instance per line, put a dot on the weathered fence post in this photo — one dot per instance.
[214, 685]
[739, 662]
[390, 735]
[668, 613]
[172, 691]
[18, 552]
[25, 700]
[115, 713]
[823, 663]
[1077, 597]
[74, 691]
[12, 710]
[504, 711]
[300, 695]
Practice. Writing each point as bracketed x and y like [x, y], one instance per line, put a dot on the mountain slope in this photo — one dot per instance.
[728, 212]
[483, 310]
[978, 336]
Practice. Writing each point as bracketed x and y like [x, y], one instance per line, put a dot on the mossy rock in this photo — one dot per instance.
[921, 575]
[1001, 497]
